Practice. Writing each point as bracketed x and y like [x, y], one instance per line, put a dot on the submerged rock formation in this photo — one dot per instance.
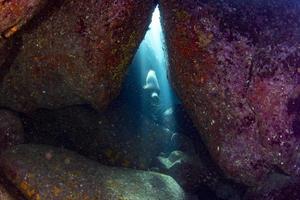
[4, 195]
[192, 174]
[74, 52]
[275, 187]
[15, 13]
[235, 65]
[11, 130]
[43, 172]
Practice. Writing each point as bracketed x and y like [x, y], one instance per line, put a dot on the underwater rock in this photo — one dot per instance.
[44, 172]
[11, 130]
[276, 187]
[15, 13]
[118, 137]
[189, 172]
[3, 53]
[192, 174]
[75, 52]
[235, 66]
[4, 195]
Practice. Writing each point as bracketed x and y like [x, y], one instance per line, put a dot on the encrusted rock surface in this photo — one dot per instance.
[4, 195]
[11, 129]
[74, 52]
[276, 187]
[4, 51]
[235, 65]
[193, 174]
[44, 172]
[15, 13]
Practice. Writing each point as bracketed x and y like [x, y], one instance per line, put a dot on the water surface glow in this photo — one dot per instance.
[147, 87]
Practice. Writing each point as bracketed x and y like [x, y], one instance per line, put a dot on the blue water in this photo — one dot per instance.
[147, 86]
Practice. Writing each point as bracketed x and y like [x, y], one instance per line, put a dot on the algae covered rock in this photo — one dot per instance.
[75, 52]
[11, 129]
[194, 174]
[44, 172]
[15, 13]
[235, 65]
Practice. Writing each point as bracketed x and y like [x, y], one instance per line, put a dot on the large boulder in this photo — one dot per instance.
[44, 172]
[11, 130]
[193, 174]
[75, 52]
[15, 13]
[275, 187]
[235, 65]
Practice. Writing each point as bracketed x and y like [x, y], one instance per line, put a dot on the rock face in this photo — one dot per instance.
[11, 130]
[4, 195]
[15, 13]
[193, 174]
[75, 52]
[43, 172]
[189, 172]
[3, 52]
[235, 65]
[276, 187]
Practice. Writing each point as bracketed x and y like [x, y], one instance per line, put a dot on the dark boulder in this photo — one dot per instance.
[11, 130]
[44, 172]
[15, 13]
[276, 187]
[193, 175]
[235, 66]
[74, 52]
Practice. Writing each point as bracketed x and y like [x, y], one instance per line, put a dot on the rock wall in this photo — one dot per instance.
[235, 66]
[44, 172]
[74, 52]
[15, 13]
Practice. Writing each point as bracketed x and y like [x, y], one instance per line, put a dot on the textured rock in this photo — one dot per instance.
[235, 65]
[189, 172]
[75, 52]
[11, 130]
[15, 13]
[3, 52]
[276, 187]
[43, 172]
[4, 195]
[118, 137]
[192, 174]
